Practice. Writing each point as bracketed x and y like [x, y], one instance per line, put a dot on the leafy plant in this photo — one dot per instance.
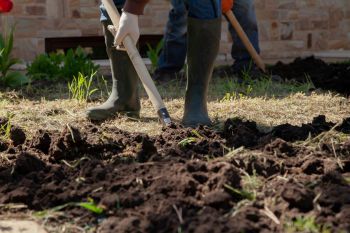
[305, 224]
[58, 66]
[153, 54]
[7, 77]
[80, 87]
[76, 62]
[46, 66]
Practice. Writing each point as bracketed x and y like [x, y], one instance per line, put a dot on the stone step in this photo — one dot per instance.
[333, 55]
[20, 226]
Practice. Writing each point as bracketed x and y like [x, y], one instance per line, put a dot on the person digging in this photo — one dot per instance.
[203, 38]
[173, 55]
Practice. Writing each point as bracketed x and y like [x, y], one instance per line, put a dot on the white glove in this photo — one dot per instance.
[128, 25]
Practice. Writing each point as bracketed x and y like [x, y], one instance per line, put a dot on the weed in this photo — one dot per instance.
[5, 129]
[103, 87]
[76, 163]
[305, 224]
[243, 193]
[80, 87]
[251, 183]
[187, 141]
[190, 140]
[153, 54]
[89, 205]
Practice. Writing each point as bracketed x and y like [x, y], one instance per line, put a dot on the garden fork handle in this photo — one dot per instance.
[243, 36]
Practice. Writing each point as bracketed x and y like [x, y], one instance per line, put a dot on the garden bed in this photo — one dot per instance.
[235, 180]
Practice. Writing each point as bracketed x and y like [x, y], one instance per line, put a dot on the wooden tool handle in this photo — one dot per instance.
[139, 65]
[251, 50]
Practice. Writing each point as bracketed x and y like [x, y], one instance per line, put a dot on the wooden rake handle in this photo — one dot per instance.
[243, 36]
[140, 66]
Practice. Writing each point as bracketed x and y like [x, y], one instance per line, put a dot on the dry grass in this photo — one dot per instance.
[55, 112]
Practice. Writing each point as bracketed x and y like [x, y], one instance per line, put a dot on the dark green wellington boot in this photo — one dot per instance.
[203, 47]
[124, 98]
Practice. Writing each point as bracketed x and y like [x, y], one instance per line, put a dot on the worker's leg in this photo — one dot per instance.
[245, 13]
[173, 55]
[204, 30]
[124, 96]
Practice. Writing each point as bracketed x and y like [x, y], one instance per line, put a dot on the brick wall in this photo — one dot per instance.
[288, 28]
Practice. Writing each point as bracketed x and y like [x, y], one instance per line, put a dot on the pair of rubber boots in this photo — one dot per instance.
[203, 46]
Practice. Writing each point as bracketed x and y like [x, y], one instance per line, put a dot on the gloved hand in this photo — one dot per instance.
[226, 5]
[128, 25]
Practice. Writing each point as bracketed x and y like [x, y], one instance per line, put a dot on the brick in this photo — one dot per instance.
[36, 10]
[287, 27]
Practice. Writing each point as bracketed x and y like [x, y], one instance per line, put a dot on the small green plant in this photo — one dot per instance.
[89, 205]
[153, 54]
[80, 87]
[5, 128]
[243, 193]
[61, 66]
[305, 224]
[187, 141]
[190, 140]
[7, 77]
[102, 85]
[250, 185]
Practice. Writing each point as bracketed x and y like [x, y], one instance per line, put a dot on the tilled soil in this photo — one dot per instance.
[326, 76]
[334, 77]
[183, 180]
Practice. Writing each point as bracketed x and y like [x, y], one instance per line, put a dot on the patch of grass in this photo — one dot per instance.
[5, 129]
[232, 89]
[305, 224]
[80, 87]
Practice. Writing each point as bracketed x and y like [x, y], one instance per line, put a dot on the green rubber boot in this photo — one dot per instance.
[203, 47]
[124, 98]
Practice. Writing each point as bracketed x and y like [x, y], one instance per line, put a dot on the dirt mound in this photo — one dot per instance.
[334, 77]
[180, 180]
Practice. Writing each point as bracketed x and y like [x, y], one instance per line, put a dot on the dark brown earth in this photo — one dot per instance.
[333, 77]
[165, 184]
[326, 76]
